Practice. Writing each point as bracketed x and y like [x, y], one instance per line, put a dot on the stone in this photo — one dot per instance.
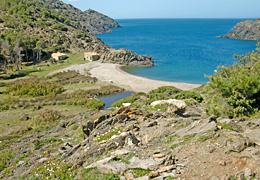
[166, 168]
[150, 163]
[24, 117]
[122, 178]
[158, 155]
[214, 178]
[99, 120]
[191, 114]
[59, 129]
[113, 167]
[70, 152]
[178, 149]
[142, 178]
[129, 176]
[151, 124]
[222, 163]
[180, 104]
[196, 127]
[95, 164]
[121, 152]
[248, 173]
[240, 176]
[131, 127]
[153, 174]
[240, 144]
[227, 121]
[42, 160]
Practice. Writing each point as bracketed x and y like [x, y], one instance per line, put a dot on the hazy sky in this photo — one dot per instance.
[125, 9]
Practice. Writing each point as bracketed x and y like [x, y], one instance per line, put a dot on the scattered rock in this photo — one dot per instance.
[150, 163]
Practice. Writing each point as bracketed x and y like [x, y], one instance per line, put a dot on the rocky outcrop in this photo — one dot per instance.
[98, 23]
[126, 57]
[246, 30]
[160, 143]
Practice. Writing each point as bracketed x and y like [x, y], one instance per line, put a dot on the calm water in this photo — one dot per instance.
[110, 99]
[184, 50]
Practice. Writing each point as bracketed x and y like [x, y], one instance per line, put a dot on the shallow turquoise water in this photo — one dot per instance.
[184, 50]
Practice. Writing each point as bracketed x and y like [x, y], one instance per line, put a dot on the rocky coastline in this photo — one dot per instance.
[245, 30]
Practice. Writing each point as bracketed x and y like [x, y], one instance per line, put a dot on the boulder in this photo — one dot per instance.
[180, 104]
[150, 163]
[88, 128]
[113, 167]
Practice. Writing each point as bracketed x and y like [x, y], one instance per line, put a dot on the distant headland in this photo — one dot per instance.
[246, 30]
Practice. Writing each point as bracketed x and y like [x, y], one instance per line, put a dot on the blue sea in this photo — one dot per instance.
[184, 50]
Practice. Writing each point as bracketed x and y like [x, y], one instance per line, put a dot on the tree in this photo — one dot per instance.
[39, 46]
[17, 53]
[6, 53]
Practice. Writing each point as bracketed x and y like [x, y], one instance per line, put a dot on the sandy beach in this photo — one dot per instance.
[112, 73]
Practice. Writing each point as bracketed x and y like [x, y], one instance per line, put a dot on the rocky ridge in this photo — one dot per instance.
[49, 26]
[180, 142]
[246, 30]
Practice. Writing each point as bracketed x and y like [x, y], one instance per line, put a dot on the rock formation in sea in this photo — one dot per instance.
[246, 30]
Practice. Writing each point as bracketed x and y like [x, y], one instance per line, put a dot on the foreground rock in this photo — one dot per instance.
[158, 145]
[246, 30]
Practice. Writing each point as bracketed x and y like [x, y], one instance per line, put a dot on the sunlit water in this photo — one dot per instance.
[184, 50]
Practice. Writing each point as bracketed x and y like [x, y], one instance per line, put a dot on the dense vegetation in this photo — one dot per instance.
[235, 90]
[30, 30]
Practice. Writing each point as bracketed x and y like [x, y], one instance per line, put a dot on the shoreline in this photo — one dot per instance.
[112, 73]
[123, 71]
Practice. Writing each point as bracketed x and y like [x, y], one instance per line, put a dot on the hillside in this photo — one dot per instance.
[246, 30]
[32, 30]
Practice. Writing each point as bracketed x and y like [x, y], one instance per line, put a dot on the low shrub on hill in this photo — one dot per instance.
[163, 91]
[188, 95]
[235, 90]
[33, 88]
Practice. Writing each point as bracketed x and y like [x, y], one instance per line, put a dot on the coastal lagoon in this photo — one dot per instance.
[184, 50]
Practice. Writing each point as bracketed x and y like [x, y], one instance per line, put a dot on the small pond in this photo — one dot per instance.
[110, 99]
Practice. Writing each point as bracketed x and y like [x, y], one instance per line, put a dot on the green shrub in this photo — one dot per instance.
[33, 88]
[47, 116]
[138, 172]
[159, 94]
[236, 86]
[53, 169]
[5, 158]
[188, 95]
[23, 156]
[60, 27]
[95, 104]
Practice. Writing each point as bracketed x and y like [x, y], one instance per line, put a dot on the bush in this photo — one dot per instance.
[60, 27]
[188, 95]
[159, 93]
[5, 158]
[237, 86]
[34, 88]
[46, 116]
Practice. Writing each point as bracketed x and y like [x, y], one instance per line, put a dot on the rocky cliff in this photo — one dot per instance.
[246, 30]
